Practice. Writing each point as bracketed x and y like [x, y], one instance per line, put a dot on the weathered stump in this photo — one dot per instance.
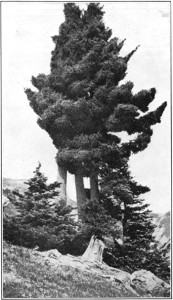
[94, 251]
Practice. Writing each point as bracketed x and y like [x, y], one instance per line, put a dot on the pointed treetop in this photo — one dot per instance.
[127, 57]
[71, 11]
[38, 168]
[94, 9]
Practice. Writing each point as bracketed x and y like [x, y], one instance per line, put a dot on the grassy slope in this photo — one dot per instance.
[27, 275]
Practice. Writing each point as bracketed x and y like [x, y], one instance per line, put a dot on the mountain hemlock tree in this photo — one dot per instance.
[82, 103]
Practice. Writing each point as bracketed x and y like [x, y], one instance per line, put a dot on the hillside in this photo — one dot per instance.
[28, 275]
[31, 274]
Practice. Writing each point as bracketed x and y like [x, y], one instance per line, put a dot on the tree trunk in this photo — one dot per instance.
[123, 207]
[62, 178]
[121, 225]
[94, 251]
[94, 190]
[80, 192]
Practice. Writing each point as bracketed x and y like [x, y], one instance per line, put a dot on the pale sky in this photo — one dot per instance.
[27, 28]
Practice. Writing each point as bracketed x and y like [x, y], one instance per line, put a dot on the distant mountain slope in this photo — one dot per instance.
[12, 184]
[162, 231]
[163, 220]
[20, 185]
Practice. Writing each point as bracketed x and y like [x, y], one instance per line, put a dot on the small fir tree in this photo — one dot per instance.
[42, 221]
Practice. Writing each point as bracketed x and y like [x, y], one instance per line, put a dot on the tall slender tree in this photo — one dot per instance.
[82, 103]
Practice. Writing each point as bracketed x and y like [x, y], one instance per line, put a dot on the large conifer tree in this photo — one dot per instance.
[82, 104]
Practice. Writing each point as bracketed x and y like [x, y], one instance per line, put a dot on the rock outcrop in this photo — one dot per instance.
[141, 283]
[148, 284]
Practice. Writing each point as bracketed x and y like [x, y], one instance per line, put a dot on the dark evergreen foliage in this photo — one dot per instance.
[83, 104]
[138, 249]
[41, 222]
[97, 220]
[82, 100]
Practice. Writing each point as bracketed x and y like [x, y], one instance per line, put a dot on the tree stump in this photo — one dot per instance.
[94, 251]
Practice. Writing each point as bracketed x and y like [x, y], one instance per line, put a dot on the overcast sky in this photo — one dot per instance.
[27, 28]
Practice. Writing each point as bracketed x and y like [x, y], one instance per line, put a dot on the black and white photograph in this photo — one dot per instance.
[86, 149]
